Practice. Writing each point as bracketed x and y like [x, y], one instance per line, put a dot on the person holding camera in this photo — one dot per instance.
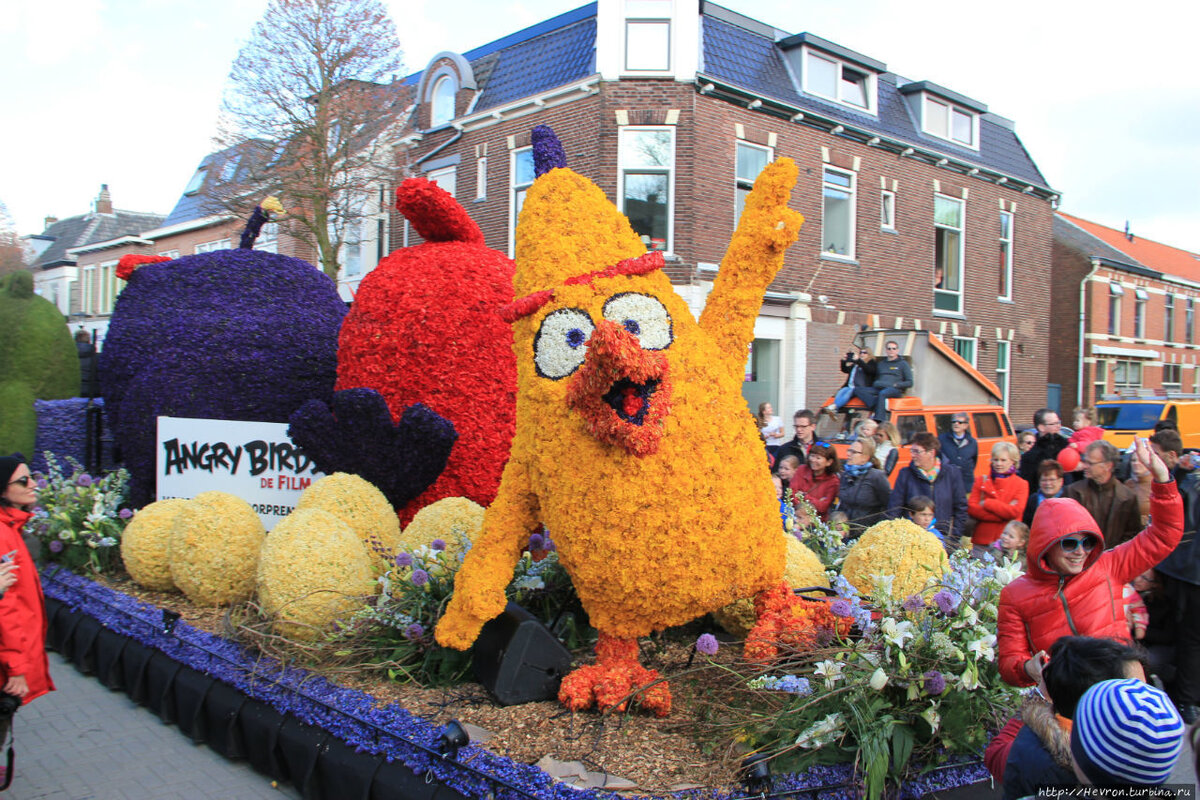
[859, 367]
[24, 670]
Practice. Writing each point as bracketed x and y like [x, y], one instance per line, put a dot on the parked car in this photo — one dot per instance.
[1123, 418]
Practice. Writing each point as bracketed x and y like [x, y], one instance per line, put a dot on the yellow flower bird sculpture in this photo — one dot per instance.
[633, 444]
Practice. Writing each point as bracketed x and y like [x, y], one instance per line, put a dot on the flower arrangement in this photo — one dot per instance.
[424, 328]
[894, 557]
[78, 519]
[915, 682]
[231, 334]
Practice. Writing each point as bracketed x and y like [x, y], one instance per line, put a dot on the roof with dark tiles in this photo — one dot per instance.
[90, 228]
[552, 59]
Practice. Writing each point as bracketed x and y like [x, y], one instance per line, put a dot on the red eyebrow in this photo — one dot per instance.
[524, 306]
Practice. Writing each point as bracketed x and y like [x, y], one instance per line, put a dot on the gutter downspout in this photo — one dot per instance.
[1083, 329]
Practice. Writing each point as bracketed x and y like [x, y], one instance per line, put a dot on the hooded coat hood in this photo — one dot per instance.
[1056, 519]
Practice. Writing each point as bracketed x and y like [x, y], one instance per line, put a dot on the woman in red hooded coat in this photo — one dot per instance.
[24, 670]
[1072, 585]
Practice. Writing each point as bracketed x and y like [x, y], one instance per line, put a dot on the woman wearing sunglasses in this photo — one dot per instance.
[1072, 586]
[24, 671]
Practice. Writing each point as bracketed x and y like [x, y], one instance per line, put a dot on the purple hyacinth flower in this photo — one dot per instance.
[707, 644]
[56, 546]
[841, 607]
[420, 577]
[124, 513]
[414, 631]
[935, 682]
[913, 603]
[438, 544]
[404, 559]
[946, 602]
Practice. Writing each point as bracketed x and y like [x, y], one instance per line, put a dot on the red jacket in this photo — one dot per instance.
[993, 503]
[22, 613]
[821, 492]
[1041, 606]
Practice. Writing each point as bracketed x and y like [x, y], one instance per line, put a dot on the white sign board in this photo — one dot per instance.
[255, 461]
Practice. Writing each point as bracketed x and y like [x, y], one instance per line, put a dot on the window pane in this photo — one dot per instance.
[947, 272]
[647, 148]
[987, 426]
[647, 45]
[1005, 225]
[936, 117]
[887, 210]
[646, 202]
[963, 127]
[947, 211]
[1004, 256]
[838, 178]
[838, 217]
[443, 101]
[523, 168]
[750, 162]
[854, 87]
[822, 75]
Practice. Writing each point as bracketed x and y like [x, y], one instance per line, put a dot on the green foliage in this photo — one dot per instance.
[37, 359]
[78, 519]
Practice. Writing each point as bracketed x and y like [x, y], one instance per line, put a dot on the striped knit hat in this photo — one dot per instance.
[1126, 733]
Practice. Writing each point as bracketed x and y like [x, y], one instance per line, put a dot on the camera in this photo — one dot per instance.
[9, 704]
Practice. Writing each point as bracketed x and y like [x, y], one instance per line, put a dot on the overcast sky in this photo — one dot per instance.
[1104, 96]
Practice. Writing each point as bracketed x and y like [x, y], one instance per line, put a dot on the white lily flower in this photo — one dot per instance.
[984, 648]
[970, 678]
[896, 633]
[879, 679]
[932, 716]
[831, 671]
[1007, 573]
[821, 732]
[883, 584]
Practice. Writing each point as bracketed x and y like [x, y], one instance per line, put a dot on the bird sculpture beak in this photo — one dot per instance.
[622, 391]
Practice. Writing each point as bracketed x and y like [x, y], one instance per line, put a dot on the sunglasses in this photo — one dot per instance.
[1070, 543]
[24, 480]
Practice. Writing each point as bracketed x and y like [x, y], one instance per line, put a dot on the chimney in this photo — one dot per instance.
[49, 221]
[104, 201]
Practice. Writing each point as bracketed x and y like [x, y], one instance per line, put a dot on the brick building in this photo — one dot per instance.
[923, 209]
[1132, 321]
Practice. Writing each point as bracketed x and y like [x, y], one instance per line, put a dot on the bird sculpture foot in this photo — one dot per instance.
[790, 624]
[615, 676]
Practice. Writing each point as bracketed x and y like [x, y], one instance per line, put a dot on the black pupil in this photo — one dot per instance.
[632, 326]
[575, 337]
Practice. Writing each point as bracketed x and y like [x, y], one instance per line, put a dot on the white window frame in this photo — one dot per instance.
[1115, 292]
[647, 29]
[887, 210]
[441, 107]
[967, 346]
[172, 254]
[1003, 368]
[1139, 313]
[929, 126]
[1100, 379]
[88, 289]
[516, 193]
[624, 168]
[1123, 375]
[481, 166]
[208, 247]
[446, 178]
[107, 296]
[955, 294]
[1190, 321]
[870, 83]
[744, 183]
[1177, 372]
[1006, 255]
[1169, 318]
[197, 181]
[852, 248]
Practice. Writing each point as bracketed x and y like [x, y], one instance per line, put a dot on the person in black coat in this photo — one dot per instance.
[1049, 444]
[860, 374]
[959, 447]
[864, 490]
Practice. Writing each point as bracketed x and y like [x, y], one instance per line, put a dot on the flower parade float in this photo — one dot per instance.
[424, 333]
[38, 360]
[237, 334]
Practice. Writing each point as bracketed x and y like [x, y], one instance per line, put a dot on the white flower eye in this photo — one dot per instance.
[561, 342]
[643, 316]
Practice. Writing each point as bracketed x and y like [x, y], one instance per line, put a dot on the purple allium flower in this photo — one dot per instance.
[913, 603]
[935, 682]
[404, 559]
[56, 546]
[124, 513]
[438, 544]
[414, 631]
[536, 542]
[841, 607]
[42, 483]
[946, 602]
[707, 644]
[84, 479]
[420, 577]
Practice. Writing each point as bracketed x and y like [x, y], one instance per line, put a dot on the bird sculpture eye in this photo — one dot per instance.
[561, 342]
[643, 316]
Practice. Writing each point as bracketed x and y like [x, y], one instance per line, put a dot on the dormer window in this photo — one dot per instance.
[196, 182]
[832, 79]
[442, 101]
[648, 35]
[949, 121]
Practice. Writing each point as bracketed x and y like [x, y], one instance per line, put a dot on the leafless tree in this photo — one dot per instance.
[311, 100]
[12, 252]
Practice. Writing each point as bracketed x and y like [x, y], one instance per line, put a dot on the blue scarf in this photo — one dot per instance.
[856, 470]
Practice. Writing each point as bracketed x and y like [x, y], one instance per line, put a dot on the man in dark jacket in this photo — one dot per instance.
[1111, 503]
[1049, 444]
[959, 447]
[892, 377]
[937, 480]
[806, 433]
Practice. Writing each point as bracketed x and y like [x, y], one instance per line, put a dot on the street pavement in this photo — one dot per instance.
[86, 742]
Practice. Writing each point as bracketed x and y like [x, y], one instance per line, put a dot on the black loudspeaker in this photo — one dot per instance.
[518, 660]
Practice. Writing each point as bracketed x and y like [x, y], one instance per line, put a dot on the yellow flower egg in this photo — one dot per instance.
[215, 541]
[444, 520]
[898, 548]
[146, 544]
[359, 504]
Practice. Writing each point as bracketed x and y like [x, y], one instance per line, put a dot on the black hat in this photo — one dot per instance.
[8, 465]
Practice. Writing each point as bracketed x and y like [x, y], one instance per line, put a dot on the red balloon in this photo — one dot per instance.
[1068, 459]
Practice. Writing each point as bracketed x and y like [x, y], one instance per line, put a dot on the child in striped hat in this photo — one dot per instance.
[1126, 733]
